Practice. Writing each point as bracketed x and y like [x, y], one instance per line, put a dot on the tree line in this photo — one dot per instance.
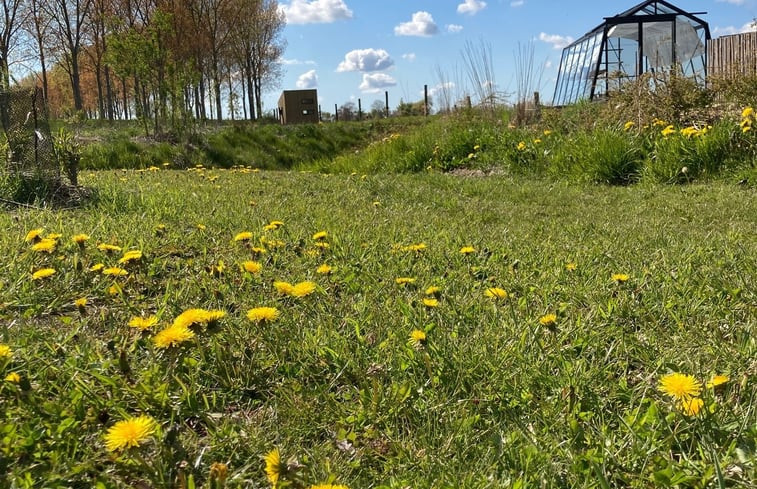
[161, 61]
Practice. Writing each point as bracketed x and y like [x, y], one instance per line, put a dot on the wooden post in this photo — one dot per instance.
[359, 110]
[386, 102]
[536, 99]
[336, 113]
[425, 99]
[320, 117]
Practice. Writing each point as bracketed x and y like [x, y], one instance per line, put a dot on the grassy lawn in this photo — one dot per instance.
[552, 381]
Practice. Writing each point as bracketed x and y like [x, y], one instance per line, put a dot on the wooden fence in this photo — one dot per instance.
[732, 56]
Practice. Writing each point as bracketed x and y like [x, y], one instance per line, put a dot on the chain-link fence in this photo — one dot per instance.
[29, 151]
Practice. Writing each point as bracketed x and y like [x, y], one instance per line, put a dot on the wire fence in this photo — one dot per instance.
[28, 146]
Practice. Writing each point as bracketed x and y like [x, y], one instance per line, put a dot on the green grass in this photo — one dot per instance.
[493, 398]
[264, 146]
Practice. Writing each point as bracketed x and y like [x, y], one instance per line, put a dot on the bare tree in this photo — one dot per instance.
[258, 47]
[9, 26]
[69, 23]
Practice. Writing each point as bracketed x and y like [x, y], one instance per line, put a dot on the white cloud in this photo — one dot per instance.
[315, 11]
[422, 25]
[557, 41]
[375, 82]
[307, 80]
[517, 3]
[454, 28]
[548, 64]
[441, 88]
[471, 7]
[295, 62]
[734, 2]
[366, 60]
[730, 30]
[409, 57]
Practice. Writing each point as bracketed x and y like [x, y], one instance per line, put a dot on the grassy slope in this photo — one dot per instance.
[267, 146]
[493, 398]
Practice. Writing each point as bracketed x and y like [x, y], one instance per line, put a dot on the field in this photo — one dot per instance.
[499, 331]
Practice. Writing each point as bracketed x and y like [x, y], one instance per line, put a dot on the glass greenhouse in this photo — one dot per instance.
[654, 36]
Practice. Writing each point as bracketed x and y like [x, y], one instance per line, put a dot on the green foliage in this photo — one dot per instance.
[68, 152]
[602, 156]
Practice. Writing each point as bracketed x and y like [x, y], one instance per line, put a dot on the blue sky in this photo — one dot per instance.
[350, 49]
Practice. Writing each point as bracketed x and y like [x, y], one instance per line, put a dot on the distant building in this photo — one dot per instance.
[298, 106]
[652, 37]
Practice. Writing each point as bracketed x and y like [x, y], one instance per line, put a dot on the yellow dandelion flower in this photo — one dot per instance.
[133, 255]
[219, 472]
[115, 289]
[717, 380]
[172, 336]
[34, 235]
[570, 266]
[628, 125]
[433, 290]
[548, 320]
[747, 112]
[537, 141]
[430, 302]
[5, 351]
[404, 280]
[417, 338]
[108, 248]
[547, 132]
[243, 236]
[323, 245]
[283, 287]
[43, 273]
[115, 272]
[143, 323]
[273, 466]
[620, 277]
[467, 250]
[13, 377]
[521, 146]
[668, 130]
[80, 239]
[54, 236]
[320, 235]
[273, 225]
[328, 486]
[746, 129]
[96, 267]
[415, 247]
[303, 289]
[323, 269]
[691, 406]
[129, 433]
[201, 227]
[679, 386]
[257, 250]
[197, 316]
[252, 266]
[46, 245]
[496, 293]
[263, 314]
[81, 302]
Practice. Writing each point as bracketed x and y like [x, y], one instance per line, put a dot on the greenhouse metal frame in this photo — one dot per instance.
[652, 37]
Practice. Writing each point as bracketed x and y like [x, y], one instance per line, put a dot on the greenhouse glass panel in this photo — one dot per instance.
[654, 36]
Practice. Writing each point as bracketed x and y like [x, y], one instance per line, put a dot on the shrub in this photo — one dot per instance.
[601, 155]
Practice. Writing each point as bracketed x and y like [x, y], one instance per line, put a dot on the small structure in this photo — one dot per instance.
[652, 37]
[298, 106]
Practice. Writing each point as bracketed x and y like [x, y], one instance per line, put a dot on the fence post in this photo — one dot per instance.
[425, 99]
[336, 113]
[359, 110]
[386, 102]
